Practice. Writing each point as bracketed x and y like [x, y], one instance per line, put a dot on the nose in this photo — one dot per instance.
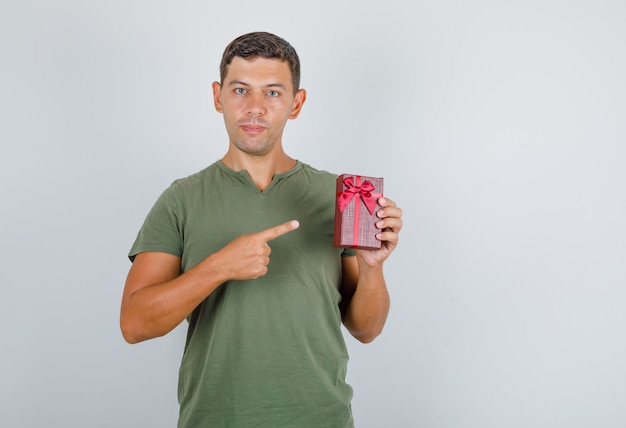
[256, 106]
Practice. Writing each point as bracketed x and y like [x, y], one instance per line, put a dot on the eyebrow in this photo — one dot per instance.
[242, 83]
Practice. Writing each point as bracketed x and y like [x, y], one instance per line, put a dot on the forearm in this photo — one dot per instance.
[157, 297]
[366, 314]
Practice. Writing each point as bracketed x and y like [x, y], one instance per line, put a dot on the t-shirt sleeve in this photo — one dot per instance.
[161, 230]
[347, 252]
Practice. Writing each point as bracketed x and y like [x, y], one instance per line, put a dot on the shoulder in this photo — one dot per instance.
[196, 177]
[195, 181]
[182, 190]
[316, 175]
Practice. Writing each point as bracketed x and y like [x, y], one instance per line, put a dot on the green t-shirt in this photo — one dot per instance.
[267, 352]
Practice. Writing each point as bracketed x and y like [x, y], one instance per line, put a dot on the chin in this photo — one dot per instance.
[254, 149]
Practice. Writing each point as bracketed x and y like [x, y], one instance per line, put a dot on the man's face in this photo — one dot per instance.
[256, 99]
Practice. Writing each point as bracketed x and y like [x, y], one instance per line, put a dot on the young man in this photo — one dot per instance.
[264, 345]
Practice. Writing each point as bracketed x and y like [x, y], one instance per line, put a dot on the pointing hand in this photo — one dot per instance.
[247, 256]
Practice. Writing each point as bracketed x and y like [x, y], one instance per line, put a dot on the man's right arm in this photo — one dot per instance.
[157, 297]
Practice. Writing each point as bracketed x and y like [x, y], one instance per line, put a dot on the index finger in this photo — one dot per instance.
[281, 229]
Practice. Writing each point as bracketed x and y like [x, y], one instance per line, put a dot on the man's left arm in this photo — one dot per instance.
[365, 299]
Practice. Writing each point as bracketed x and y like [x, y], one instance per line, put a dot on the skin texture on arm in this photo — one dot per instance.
[365, 298]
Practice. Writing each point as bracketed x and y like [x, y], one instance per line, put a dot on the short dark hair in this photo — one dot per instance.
[265, 45]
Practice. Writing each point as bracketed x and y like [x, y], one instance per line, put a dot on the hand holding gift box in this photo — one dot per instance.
[355, 211]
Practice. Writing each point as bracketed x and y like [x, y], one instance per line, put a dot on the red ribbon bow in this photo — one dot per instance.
[363, 190]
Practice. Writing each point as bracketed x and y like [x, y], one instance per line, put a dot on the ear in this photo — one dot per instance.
[217, 97]
[298, 101]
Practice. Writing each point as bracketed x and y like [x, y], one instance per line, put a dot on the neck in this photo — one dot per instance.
[260, 168]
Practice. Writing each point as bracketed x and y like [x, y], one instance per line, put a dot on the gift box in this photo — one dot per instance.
[355, 211]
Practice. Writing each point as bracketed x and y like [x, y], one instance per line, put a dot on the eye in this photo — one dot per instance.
[273, 93]
[240, 91]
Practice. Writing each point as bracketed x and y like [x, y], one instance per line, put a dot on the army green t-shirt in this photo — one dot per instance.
[267, 352]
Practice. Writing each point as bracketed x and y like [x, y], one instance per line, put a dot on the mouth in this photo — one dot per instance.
[253, 127]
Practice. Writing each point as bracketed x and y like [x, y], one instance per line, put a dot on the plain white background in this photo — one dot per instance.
[499, 127]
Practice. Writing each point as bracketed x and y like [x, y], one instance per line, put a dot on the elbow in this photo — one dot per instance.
[365, 336]
[366, 330]
[134, 327]
[131, 337]
[131, 331]
[136, 330]
[367, 339]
